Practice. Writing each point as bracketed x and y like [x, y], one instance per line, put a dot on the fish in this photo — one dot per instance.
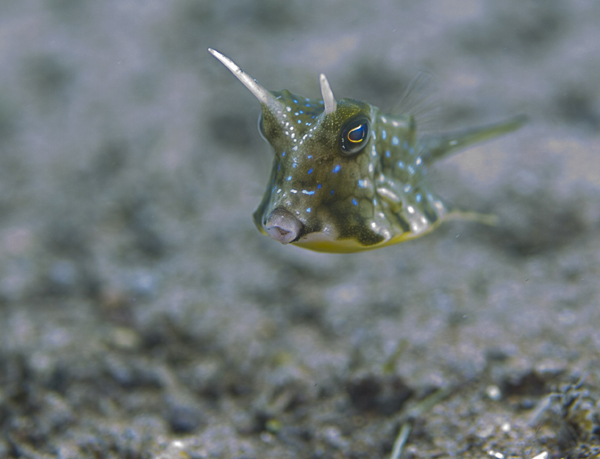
[347, 177]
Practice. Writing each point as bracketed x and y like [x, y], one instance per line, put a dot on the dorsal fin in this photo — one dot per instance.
[421, 99]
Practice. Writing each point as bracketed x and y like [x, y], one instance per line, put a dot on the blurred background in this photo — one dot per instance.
[143, 315]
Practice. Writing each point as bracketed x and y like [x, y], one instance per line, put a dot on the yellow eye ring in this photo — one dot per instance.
[354, 136]
[362, 132]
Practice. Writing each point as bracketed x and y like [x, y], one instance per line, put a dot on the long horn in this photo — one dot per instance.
[327, 94]
[263, 96]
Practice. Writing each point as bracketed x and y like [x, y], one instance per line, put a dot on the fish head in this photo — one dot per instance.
[320, 191]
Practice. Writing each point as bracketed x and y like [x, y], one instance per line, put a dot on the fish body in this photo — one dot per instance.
[347, 177]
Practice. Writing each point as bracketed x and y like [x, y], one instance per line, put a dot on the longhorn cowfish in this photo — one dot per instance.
[347, 177]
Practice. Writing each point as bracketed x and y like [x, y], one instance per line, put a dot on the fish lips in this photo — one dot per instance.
[283, 226]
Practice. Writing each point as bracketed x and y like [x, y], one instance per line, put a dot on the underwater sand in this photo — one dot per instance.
[142, 314]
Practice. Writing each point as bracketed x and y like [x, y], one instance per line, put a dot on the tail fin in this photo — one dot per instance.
[438, 146]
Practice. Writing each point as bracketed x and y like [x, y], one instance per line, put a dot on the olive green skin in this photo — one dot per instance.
[358, 200]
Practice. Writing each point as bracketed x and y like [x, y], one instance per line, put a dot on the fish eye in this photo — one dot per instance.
[354, 136]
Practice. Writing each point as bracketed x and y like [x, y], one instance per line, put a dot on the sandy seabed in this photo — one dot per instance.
[141, 313]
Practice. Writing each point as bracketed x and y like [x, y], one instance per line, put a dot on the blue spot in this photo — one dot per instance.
[308, 210]
[383, 134]
[295, 101]
[412, 150]
[331, 191]
[374, 202]
[387, 153]
[407, 188]
[309, 156]
[310, 193]
[283, 154]
[299, 121]
[354, 201]
[395, 140]
[310, 171]
[400, 164]
[411, 169]
[296, 113]
[279, 167]
[295, 165]
[336, 169]
[300, 111]
[313, 116]
[308, 105]
[405, 146]
[319, 186]
[418, 197]
[289, 178]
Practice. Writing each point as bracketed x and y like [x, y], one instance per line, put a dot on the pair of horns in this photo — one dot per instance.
[264, 96]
